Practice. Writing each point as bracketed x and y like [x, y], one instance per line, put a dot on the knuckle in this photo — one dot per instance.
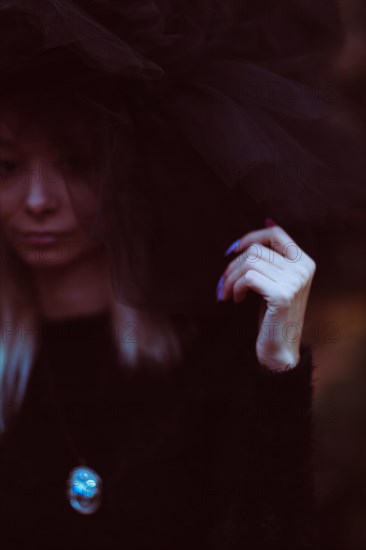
[309, 268]
[279, 232]
[312, 266]
[292, 252]
[254, 251]
[250, 275]
[302, 274]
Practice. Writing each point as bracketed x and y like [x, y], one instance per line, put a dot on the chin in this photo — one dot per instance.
[51, 256]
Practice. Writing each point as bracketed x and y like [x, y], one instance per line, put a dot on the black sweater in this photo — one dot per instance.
[212, 453]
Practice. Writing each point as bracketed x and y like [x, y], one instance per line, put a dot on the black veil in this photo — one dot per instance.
[206, 115]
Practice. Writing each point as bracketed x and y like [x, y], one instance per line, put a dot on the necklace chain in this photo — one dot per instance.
[84, 485]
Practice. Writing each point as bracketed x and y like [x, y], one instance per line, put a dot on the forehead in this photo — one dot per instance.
[49, 129]
[14, 130]
[27, 139]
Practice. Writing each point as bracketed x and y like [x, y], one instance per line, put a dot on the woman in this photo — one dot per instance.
[138, 411]
[163, 423]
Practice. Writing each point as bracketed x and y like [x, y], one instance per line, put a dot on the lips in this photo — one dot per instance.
[42, 237]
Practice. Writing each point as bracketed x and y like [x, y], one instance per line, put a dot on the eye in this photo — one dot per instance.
[72, 165]
[7, 168]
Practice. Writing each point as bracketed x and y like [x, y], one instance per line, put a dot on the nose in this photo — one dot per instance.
[41, 197]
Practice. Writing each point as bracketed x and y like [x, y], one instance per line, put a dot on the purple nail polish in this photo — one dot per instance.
[219, 284]
[232, 247]
[269, 222]
[219, 288]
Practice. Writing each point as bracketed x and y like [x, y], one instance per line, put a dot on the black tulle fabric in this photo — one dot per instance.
[210, 115]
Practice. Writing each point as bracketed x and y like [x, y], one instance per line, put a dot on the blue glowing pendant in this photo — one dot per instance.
[84, 490]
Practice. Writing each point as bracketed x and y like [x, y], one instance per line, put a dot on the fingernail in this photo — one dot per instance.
[219, 288]
[232, 247]
[269, 222]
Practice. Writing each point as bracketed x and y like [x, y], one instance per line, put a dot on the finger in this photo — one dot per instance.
[261, 266]
[275, 237]
[253, 254]
[262, 285]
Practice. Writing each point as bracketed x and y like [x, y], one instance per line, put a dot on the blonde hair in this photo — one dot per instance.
[151, 336]
[157, 339]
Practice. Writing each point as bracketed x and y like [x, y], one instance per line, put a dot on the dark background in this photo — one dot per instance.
[336, 325]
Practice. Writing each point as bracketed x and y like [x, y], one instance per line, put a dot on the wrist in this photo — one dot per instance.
[282, 362]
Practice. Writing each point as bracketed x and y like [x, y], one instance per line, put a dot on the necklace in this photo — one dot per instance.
[83, 484]
[84, 490]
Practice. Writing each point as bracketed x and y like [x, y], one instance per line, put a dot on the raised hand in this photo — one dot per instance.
[275, 267]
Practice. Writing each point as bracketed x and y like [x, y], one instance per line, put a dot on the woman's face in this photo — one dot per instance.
[37, 218]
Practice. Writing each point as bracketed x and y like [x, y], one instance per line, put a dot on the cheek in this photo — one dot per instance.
[8, 208]
[84, 207]
[11, 197]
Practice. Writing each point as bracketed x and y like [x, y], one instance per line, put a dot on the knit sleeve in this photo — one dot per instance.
[262, 466]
